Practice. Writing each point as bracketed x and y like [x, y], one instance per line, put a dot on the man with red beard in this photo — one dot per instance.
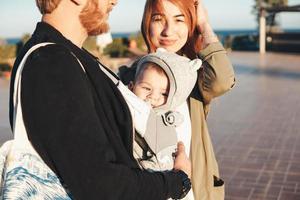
[75, 116]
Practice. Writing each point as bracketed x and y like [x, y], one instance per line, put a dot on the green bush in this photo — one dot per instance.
[25, 38]
[228, 42]
[4, 67]
[116, 49]
[245, 43]
[8, 51]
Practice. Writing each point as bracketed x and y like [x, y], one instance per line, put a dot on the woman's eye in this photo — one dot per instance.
[180, 20]
[157, 18]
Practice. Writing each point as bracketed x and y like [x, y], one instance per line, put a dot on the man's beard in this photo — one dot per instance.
[93, 20]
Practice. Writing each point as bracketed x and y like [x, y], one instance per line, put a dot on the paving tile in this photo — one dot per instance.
[289, 189]
[270, 198]
[294, 167]
[227, 172]
[282, 166]
[296, 155]
[274, 191]
[252, 164]
[289, 196]
[259, 192]
[253, 184]
[259, 154]
[257, 197]
[265, 177]
[248, 174]
[270, 165]
[238, 192]
[235, 198]
[236, 182]
[298, 189]
[293, 178]
[278, 177]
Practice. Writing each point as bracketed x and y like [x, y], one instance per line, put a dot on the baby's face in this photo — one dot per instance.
[152, 87]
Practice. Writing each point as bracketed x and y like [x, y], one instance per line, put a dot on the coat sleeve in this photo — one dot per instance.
[65, 130]
[217, 75]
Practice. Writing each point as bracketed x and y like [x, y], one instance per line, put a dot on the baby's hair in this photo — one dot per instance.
[148, 65]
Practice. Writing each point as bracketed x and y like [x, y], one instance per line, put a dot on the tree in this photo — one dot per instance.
[270, 17]
[117, 48]
[25, 38]
[19, 45]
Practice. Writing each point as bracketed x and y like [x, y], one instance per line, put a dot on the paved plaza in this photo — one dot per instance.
[255, 128]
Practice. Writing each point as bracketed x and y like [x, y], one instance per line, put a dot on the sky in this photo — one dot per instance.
[18, 17]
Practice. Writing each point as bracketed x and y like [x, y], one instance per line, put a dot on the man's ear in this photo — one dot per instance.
[130, 86]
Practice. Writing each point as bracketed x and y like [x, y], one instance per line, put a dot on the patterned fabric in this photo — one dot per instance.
[26, 176]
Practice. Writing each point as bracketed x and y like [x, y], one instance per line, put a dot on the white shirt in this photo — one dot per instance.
[184, 130]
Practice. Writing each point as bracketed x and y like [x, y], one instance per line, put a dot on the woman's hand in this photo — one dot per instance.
[202, 16]
[182, 161]
[207, 34]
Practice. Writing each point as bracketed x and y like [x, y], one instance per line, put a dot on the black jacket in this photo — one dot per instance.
[80, 124]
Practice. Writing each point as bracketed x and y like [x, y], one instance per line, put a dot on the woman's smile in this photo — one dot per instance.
[167, 42]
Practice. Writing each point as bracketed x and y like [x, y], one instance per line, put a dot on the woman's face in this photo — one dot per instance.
[168, 29]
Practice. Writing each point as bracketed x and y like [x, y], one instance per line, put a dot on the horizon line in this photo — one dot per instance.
[131, 32]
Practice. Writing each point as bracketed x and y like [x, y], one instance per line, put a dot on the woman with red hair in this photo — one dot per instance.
[182, 26]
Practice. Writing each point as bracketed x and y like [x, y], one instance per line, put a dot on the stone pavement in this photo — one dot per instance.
[255, 128]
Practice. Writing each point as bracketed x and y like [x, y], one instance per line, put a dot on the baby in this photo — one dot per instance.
[163, 81]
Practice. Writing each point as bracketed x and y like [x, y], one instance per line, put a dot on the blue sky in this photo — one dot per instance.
[20, 16]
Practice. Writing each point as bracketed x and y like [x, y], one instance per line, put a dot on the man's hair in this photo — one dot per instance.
[47, 6]
[146, 66]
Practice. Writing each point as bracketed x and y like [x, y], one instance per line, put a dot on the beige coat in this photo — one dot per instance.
[214, 80]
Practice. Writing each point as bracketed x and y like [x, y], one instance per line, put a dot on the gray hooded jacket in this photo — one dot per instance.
[160, 134]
